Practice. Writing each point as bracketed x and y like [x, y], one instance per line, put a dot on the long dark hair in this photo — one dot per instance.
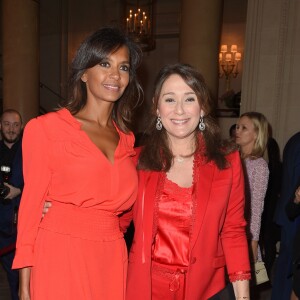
[91, 52]
[156, 154]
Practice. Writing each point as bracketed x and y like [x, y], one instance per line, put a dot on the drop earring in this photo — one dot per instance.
[158, 123]
[201, 124]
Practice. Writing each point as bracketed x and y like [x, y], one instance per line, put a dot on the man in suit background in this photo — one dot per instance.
[11, 185]
[282, 285]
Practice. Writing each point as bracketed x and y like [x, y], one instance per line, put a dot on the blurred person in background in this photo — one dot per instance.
[282, 285]
[270, 231]
[293, 212]
[11, 186]
[252, 138]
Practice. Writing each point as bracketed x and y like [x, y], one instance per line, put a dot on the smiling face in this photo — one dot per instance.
[245, 134]
[107, 80]
[178, 108]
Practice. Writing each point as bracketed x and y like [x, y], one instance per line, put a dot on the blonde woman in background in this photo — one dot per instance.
[252, 137]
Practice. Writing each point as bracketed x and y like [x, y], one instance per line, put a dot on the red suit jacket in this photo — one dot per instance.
[218, 236]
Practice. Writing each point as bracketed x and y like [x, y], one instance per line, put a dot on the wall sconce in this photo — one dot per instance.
[139, 22]
[228, 63]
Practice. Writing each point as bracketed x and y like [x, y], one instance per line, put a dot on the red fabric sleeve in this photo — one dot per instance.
[37, 176]
[233, 234]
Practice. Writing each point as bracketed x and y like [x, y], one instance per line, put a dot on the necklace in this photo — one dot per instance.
[179, 159]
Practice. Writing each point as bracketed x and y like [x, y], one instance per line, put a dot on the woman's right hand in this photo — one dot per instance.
[46, 207]
[24, 289]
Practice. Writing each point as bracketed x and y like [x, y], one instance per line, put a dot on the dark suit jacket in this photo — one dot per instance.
[9, 207]
[282, 285]
[293, 211]
[290, 178]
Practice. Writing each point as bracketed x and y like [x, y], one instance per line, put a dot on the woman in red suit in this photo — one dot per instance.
[189, 214]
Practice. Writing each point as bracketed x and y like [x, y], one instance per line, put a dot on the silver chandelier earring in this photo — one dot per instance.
[158, 123]
[201, 124]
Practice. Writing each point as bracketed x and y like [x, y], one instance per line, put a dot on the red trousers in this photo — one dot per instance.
[168, 283]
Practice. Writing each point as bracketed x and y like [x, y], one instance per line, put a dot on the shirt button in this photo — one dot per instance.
[193, 260]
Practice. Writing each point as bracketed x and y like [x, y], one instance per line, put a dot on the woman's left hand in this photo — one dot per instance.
[46, 207]
[241, 289]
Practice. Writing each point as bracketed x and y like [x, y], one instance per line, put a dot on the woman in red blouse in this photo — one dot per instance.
[79, 158]
[189, 214]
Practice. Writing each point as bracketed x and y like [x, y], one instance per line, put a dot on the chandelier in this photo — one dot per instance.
[228, 63]
[139, 23]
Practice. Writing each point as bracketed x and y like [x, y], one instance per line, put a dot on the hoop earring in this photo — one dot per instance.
[158, 123]
[201, 124]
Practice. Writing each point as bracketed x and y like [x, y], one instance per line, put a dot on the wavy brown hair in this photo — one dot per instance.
[95, 49]
[156, 154]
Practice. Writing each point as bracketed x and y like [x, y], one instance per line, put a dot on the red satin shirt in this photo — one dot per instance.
[174, 212]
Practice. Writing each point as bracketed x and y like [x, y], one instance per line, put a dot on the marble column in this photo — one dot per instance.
[200, 30]
[20, 26]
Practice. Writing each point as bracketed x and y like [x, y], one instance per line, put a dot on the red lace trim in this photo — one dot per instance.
[241, 275]
[161, 183]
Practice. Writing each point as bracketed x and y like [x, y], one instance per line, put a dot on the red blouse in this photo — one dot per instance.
[174, 213]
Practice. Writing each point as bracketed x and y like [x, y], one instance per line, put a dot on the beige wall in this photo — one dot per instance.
[272, 64]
